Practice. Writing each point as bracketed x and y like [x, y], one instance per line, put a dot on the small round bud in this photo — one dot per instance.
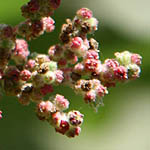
[111, 63]
[55, 52]
[92, 65]
[90, 96]
[61, 103]
[92, 23]
[92, 54]
[84, 13]
[25, 75]
[49, 24]
[52, 66]
[101, 91]
[63, 128]
[79, 68]
[59, 76]
[75, 118]
[44, 109]
[49, 77]
[133, 71]
[120, 73]
[0, 114]
[73, 132]
[30, 64]
[136, 59]
[124, 58]
[76, 43]
[21, 51]
[41, 58]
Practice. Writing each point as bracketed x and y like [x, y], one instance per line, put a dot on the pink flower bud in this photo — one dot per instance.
[101, 90]
[76, 43]
[0, 114]
[84, 13]
[120, 73]
[44, 109]
[90, 96]
[92, 65]
[49, 24]
[61, 103]
[56, 117]
[79, 68]
[59, 76]
[21, 51]
[25, 75]
[55, 51]
[30, 64]
[135, 58]
[111, 63]
[92, 54]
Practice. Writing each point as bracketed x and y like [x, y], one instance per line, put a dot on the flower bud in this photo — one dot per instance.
[92, 54]
[92, 65]
[0, 114]
[49, 77]
[84, 13]
[120, 73]
[59, 76]
[133, 71]
[73, 132]
[90, 96]
[44, 109]
[25, 75]
[60, 122]
[75, 118]
[49, 24]
[124, 58]
[21, 51]
[61, 103]
[136, 59]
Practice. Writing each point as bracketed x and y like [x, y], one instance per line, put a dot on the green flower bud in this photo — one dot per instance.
[123, 58]
[49, 77]
[52, 66]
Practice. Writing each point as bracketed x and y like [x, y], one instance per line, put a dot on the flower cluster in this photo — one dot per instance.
[73, 62]
[64, 123]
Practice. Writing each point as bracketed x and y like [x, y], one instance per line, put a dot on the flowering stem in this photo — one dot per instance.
[73, 62]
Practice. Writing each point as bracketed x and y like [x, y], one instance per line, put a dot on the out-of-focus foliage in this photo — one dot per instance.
[123, 123]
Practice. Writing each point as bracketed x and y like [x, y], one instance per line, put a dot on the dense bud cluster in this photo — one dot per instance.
[64, 123]
[31, 29]
[39, 8]
[75, 62]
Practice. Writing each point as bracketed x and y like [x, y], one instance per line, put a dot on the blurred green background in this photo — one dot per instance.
[124, 122]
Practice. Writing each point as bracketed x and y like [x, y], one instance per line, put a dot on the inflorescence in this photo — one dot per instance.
[73, 62]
